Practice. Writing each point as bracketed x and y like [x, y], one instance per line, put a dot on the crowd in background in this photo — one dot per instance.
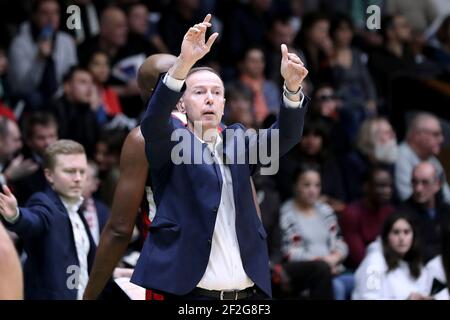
[359, 208]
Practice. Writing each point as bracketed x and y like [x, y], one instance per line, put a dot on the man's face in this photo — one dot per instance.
[204, 99]
[425, 184]
[138, 19]
[48, 14]
[80, 88]
[254, 63]
[68, 175]
[115, 29]
[381, 187]
[41, 137]
[282, 33]
[430, 137]
[402, 29]
[11, 142]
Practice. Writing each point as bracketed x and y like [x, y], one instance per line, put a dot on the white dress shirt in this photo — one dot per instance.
[82, 245]
[225, 270]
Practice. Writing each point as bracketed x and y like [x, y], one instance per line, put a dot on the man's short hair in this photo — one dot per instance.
[416, 121]
[68, 76]
[67, 147]
[42, 118]
[36, 4]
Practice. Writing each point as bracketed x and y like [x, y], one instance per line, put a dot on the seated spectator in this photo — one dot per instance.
[40, 55]
[441, 52]
[392, 268]
[310, 230]
[95, 211]
[265, 92]
[349, 71]
[326, 108]
[13, 167]
[427, 208]
[124, 60]
[107, 157]
[361, 221]
[313, 149]
[11, 277]
[376, 144]
[41, 130]
[55, 234]
[74, 110]
[395, 55]
[239, 105]
[4, 86]
[423, 143]
[316, 45]
[106, 102]
[438, 269]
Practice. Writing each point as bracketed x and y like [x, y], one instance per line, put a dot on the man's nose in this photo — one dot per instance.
[209, 97]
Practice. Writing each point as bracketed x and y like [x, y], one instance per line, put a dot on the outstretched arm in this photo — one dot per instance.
[127, 198]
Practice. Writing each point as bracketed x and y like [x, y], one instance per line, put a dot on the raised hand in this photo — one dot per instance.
[8, 203]
[193, 48]
[292, 69]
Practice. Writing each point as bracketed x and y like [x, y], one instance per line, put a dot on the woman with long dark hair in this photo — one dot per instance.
[392, 268]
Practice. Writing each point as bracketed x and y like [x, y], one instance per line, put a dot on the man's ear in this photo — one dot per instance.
[49, 175]
[180, 106]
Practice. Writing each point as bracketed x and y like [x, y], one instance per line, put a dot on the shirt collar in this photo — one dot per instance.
[71, 205]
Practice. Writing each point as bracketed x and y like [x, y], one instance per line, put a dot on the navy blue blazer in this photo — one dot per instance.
[187, 196]
[45, 228]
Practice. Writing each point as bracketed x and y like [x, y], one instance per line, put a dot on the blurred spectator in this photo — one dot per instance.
[239, 105]
[392, 268]
[326, 108]
[246, 26]
[314, 42]
[349, 70]
[11, 277]
[55, 234]
[423, 143]
[12, 164]
[95, 211]
[106, 102]
[440, 52]
[74, 110]
[394, 56]
[40, 130]
[4, 86]
[89, 18]
[420, 14]
[179, 17]
[265, 92]
[139, 25]
[438, 269]
[107, 157]
[313, 149]
[310, 230]
[362, 220]
[280, 31]
[427, 208]
[376, 144]
[40, 55]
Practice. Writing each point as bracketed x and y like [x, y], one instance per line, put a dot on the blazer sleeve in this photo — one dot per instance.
[157, 127]
[287, 130]
[35, 219]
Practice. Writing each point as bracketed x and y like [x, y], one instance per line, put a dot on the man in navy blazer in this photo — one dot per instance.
[206, 240]
[59, 246]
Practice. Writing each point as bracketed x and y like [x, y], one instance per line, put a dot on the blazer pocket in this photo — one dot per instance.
[164, 231]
